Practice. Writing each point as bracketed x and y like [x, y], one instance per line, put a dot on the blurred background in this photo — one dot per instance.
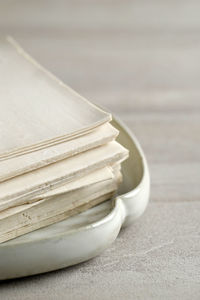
[141, 60]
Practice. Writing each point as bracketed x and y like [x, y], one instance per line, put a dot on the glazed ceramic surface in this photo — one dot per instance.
[83, 236]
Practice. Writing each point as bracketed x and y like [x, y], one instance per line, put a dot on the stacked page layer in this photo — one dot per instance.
[24, 188]
[27, 162]
[25, 218]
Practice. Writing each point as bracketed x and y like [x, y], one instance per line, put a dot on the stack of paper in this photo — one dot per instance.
[58, 154]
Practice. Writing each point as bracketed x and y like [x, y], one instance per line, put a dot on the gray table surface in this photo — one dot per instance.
[140, 59]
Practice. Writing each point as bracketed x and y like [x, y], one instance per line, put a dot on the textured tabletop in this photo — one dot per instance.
[140, 59]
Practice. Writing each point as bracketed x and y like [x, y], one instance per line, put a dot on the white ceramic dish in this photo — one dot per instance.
[84, 236]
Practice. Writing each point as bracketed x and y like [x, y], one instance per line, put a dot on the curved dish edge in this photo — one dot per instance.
[56, 251]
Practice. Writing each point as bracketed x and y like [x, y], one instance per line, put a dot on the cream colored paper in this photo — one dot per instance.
[19, 189]
[100, 175]
[55, 219]
[28, 217]
[30, 161]
[37, 109]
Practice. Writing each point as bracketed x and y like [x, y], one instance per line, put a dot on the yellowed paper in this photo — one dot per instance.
[24, 187]
[30, 161]
[28, 217]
